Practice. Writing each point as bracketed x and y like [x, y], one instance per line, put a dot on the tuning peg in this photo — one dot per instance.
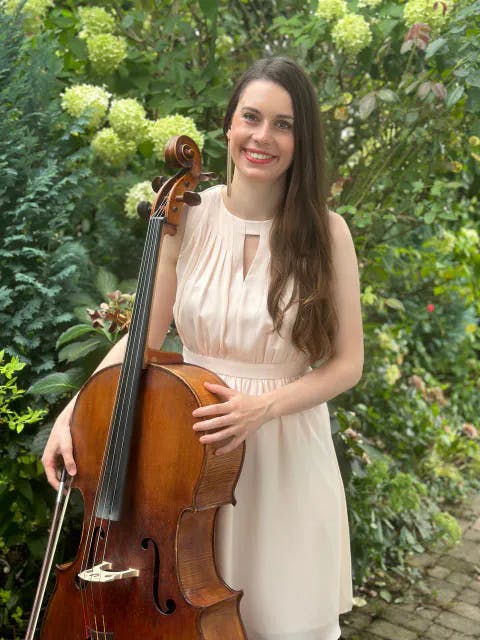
[144, 209]
[191, 198]
[208, 175]
[158, 182]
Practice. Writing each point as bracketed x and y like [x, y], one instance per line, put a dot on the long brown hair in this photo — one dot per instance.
[300, 239]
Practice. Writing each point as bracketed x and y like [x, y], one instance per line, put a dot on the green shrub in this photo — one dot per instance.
[44, 186]
[23, 498]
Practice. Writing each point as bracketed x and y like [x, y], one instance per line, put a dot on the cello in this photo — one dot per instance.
[145, 565]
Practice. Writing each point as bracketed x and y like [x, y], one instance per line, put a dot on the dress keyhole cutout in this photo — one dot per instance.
[250, 248]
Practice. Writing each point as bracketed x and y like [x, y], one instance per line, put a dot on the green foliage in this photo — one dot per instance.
[87, 343]
[22, 496]
[41, 258]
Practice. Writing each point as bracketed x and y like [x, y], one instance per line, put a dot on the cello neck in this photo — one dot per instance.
[114, 473]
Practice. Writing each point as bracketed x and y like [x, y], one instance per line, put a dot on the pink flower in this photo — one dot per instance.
[430, 308]
[469, 430]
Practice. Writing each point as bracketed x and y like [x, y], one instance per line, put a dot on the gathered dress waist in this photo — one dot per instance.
[241, 369]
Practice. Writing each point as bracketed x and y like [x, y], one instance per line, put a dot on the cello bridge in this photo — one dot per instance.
[102, 573]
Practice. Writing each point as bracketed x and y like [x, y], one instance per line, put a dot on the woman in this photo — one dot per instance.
[262, 281]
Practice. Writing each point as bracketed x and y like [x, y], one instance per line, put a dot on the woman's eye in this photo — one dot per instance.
[249, 116]
[284, 124]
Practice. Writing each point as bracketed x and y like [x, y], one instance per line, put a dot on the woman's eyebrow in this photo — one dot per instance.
[279, 115]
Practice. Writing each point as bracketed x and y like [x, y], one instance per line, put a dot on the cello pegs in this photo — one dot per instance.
[158, 182]
[144, 209]
[191, 198]
[208, 175]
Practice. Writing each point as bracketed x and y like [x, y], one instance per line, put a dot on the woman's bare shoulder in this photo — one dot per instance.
[339, 230]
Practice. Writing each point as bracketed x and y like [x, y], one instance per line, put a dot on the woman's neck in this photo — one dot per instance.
[255, 200]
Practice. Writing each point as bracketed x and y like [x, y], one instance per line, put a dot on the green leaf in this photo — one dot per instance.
[434, 46]
[454, 96]
[128, 286]
[57, 383]
[74, 332]
[474, 79]
[106, 281]
[209, 8]
[387, 95]
[367, 105]
[394, 303]
[77, 350]
[385, 595]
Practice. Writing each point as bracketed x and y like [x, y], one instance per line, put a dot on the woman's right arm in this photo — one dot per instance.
[58, 450]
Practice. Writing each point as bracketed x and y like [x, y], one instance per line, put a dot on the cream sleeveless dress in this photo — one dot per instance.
[286, 542]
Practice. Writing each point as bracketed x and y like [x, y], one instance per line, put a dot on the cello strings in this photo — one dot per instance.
[135, 351]
[139, 346]
[118, 415]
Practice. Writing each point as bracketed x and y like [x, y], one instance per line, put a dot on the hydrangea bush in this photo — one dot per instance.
[111, 148]
[33, 11]
[163, 129]
[82, 99]
[128, 118]
[106, 52]
[94, 21]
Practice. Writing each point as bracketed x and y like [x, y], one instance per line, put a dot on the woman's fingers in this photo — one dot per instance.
[58, 453]
[214, 423]
[66, 449]
[211, 410]
[219, 435]
[51, 473]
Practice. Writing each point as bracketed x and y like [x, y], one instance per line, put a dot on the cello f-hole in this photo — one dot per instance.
[170, 605]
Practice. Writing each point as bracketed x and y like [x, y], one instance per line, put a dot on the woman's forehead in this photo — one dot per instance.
[265, 94]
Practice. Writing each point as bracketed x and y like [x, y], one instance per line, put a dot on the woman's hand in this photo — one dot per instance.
[58, 450]
[237, 417]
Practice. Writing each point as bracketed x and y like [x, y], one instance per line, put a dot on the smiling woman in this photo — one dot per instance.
[261, 135]
[262, 282]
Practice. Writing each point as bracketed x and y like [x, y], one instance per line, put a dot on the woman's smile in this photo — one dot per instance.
[258, 157]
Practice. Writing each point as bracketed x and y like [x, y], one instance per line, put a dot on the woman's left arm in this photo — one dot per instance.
[241, 414]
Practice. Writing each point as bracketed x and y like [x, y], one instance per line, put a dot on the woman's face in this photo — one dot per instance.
[261, 132]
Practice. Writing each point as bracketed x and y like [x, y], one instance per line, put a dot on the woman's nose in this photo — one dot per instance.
[262, 132]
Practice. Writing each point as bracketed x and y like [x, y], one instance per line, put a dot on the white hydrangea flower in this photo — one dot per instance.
[470, 238]
[386, 341]
[351, 34]
[112, 149]
[435, 14]
[106, 52]
[392, 374]
[95, 20]
[33, 11]
[331, 10]
[142, 191]
[79, 98]
[163, 129]
[224, 44]
[127, 117]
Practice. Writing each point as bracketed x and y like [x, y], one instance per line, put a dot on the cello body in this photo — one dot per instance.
[167, 525]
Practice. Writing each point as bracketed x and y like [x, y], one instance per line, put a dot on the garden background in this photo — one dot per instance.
[89, 94]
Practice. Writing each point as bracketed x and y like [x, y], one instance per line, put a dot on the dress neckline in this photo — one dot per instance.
[253, 227]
